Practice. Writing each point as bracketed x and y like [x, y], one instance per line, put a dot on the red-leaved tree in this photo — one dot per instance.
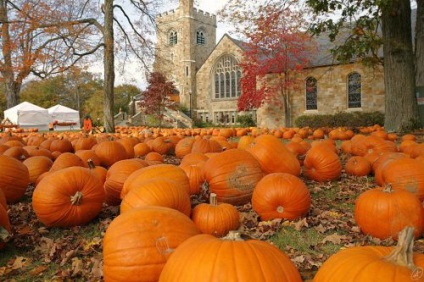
[277, 48]
[156, 98]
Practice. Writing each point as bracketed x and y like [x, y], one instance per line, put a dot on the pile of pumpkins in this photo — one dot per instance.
[161, 236]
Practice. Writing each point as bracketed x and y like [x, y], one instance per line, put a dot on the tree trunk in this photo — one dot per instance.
[401, 109]
[287, 105]
[419, 48]
[109, 67]
[12, 88]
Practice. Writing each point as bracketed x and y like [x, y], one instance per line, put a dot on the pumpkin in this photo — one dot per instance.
[322, 164]
[384, 212]
[154, 171]
[375, 263]
[207, 258]
[273, 155]
[61, 145]
[68, 197]
[116, 176]
[358, 166]
[17, 152]
[138, 243]
[110, 152]
[193, 158]
[154, 156]
[141, 149]
[195, 176]
[37, 165]
[86, 155]
[99, 171]
[5, 229]
[203, 145]
[281, 195]
[14, 178]
[84, 143]
[65, 160]
[158, 192]
[405, 173]
[216, 219]
[232, 175]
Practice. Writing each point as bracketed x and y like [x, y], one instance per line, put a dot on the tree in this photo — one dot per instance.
[39, 38]
[46, 37]
[277, 44]
[362, 21]
[123, 96]
[156, 99]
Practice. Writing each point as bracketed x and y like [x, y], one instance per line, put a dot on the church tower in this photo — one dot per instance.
[185, 38]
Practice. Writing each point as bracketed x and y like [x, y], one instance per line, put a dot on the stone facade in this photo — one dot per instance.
[193, 68]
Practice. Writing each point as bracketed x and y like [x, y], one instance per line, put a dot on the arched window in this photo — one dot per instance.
[354, 90]
[200, 37]
[226, 77]
[173, 38]
[311, 92]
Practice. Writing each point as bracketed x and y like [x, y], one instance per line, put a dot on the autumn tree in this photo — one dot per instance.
[45, 37]
[277, 47]
[123, 96]
[368, 26]
[36, 38]
[156, 98]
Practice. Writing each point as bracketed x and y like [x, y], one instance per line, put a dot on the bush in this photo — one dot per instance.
[341, 119]
[245, 120]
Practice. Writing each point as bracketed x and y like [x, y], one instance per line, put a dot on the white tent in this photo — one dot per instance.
[28, 115]
[63, 115]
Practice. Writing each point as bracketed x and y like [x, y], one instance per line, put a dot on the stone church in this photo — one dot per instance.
[207, 74]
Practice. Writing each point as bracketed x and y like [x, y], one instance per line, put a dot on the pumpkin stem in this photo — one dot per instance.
[233, 235]
[91, 164]
[403, 253]
[4, 234]
[213, 200]
[388, 188]
[76, 199]
[280, 209]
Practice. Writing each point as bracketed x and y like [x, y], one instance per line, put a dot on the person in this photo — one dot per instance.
[88, 124]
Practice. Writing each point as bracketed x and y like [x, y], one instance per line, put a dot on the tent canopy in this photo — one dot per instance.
[27, 114]
[62, 114]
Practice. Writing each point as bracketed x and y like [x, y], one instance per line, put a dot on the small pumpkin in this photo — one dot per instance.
[37, 165]
[322, 164]
[216, 219]
[358, 166]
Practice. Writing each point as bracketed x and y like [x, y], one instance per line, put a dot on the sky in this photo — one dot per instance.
[132, 73]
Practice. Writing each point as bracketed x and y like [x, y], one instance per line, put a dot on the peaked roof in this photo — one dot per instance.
[61, 109]
[26, 106]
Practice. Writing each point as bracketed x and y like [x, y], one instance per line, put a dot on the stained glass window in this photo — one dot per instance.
[311, 92]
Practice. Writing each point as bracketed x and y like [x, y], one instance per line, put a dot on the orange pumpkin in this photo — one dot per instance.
[138, 243]
[216, 219]
[273, 155]
[281, 195]
[358, 166]
[37, 165]
[374, 263]
[14, 178]
[158, 192]
[230, 260]
[110, 152]
[384, 212]
[322, 164]
[232, 175]
[68, 197]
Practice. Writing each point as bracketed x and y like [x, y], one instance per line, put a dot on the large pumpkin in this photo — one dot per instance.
[207, 258]
[68, 197]
[232, 175]
[14, 178]
[273, 155]
[375, 263]
[384, 212]
[138, 243]
[281, 195]
[37, 165]
[109, 152]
